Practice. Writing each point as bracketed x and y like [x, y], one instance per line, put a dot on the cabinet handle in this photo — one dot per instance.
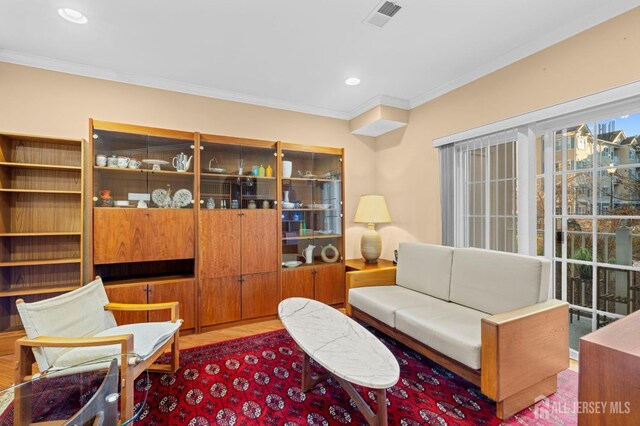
[95, 198]
[192, 147]
[201, 148]
[201, 201]
[275, 154]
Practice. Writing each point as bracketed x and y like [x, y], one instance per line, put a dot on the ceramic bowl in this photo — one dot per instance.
[292, 264]
[286, 205]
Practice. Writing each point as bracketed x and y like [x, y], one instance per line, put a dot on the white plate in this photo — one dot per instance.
[292, 264]
[155, 162]
[121, 203]
[309, 176]
[160, 197]
[318, 206]
[182, 197]
[217, 170]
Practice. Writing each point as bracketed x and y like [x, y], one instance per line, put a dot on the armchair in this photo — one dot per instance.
[67, 333]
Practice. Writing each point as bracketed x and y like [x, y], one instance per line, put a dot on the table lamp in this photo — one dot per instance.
[372, 209]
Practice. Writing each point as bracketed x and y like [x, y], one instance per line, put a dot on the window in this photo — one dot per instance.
[486, 176]
[579, 167]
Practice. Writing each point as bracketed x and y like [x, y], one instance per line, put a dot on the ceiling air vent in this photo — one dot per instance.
[382, 13]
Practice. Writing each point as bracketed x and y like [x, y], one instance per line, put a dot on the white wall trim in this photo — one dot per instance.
[379, 100]
[162, 83]
[191, 89]
[599, 99]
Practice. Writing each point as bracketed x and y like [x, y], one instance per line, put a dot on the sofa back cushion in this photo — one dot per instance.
[425, 268]
[495, 282]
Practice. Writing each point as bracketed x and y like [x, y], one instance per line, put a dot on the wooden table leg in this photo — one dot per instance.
[309, 381]
[379, 419]
[381, 398]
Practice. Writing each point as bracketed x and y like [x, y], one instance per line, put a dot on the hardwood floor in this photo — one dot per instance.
[6, 362]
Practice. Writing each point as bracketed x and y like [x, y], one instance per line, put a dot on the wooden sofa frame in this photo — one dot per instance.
[522, 350]
[128, 373]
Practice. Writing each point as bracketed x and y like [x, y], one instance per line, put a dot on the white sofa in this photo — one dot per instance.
[483, 314]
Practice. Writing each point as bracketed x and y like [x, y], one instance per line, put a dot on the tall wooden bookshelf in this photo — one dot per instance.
[41, 216]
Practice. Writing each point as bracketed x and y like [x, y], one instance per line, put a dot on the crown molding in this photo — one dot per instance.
[162, 83]
[379, 100]
[545, 40]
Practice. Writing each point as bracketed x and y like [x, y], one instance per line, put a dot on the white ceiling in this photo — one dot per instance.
[293, 54]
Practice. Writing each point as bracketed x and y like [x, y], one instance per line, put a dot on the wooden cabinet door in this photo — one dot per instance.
[219, 244]
[220, 300]
[170, 234]
[260, 295]
[260, 243]
[297, 283]
[330, 284]
[182, 291]
[119, 235]
[129, 293]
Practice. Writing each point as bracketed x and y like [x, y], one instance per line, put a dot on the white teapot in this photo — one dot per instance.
[308, 254]
[181, 162]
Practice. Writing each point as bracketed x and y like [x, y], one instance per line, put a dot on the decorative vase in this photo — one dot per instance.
[287, 167]
[286, 197]
[107, 199]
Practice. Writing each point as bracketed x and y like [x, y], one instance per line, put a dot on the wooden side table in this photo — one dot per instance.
[609, 374]
[360, 265]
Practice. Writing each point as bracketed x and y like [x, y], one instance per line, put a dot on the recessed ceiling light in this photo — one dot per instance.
[352, 81]
[72, 15]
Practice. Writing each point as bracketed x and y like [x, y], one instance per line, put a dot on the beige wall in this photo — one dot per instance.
[407, 165]
[41, 102]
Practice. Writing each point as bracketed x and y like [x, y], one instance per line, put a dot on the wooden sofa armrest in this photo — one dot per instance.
[382, 276]
[522, 348]
[174, 306]
[374, 277]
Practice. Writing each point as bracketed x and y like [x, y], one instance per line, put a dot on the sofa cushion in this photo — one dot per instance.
[425, 268]
[450, 329]
[381, 302]
[495, 282]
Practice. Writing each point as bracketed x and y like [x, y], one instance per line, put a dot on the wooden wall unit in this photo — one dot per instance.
[41, 215]
[145, 255]
[221, 255]
[238, 230]
[314, 216]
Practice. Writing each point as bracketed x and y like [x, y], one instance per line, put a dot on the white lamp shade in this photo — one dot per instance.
[372, 209]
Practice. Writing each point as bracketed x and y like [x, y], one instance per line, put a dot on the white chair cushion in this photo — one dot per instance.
[147, 338]
[381, 302]
[495, 282]
[425, 268]
[450, 329]
[78, 313]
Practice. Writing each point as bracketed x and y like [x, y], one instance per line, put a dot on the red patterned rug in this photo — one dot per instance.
[256, 381]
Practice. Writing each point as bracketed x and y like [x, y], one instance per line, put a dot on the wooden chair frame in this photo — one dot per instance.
[128, 373]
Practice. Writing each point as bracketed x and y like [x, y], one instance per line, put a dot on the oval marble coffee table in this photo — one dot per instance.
[350, 353]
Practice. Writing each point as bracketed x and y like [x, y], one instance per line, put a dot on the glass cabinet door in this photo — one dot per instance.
[312, 207]
[236, 175]
[141, 170]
